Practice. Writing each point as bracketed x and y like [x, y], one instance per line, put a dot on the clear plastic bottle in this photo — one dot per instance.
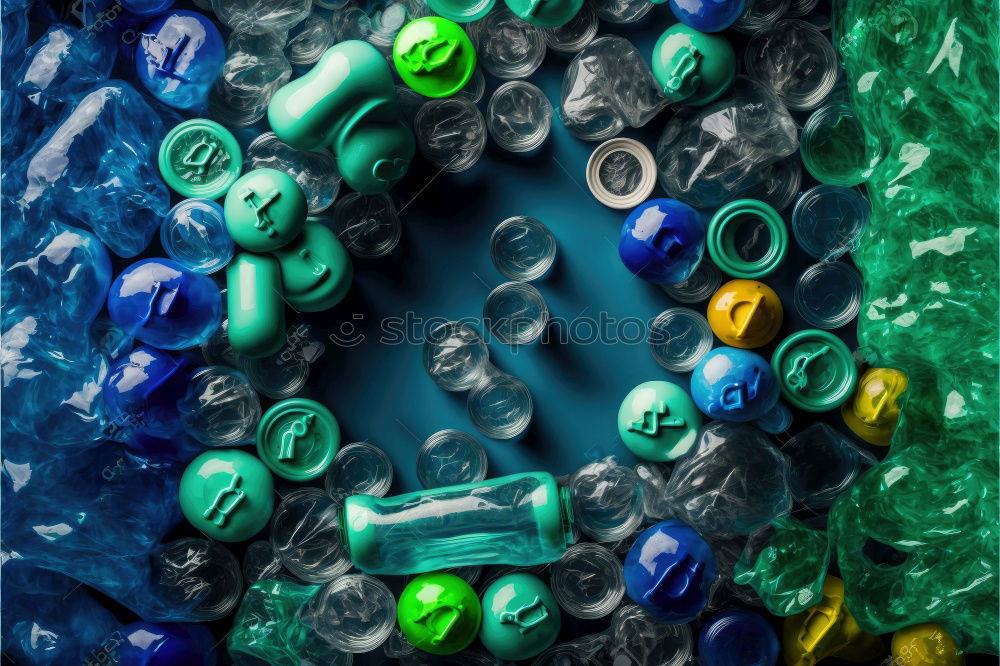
[522, 519]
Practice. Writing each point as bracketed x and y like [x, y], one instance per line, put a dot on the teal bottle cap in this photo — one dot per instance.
[434, 56]
[265, 210]
[439, 613]
[461, 11]
[520, 617]
[316, 270]
[815, 369]
[545, 13]
[298, 439]
[658, 421]
[722, 232]
[200, 158]
[692, 67]
[227, 494]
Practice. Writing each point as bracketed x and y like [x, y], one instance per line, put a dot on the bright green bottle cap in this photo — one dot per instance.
[227, 494]
[461, 11]
[815, 369]
[439, 613]
[693, 67]
[520, 617]
[200, 158]
[265, 210]
[298, 439]
[658, 421]
[316, 270]
[721, 240]
[434, 56]
[545, 13]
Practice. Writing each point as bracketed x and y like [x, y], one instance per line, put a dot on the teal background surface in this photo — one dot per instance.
[442, 270]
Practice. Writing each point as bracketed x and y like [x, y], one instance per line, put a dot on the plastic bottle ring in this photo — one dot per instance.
[722, 238]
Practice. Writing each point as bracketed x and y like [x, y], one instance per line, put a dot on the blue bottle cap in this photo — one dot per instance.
[669, 571]
[179, 56]
[662, 241]
[737, 637]
[165, 644]
[707, 15]
[163, 304]
[734, 385]
[141, 394]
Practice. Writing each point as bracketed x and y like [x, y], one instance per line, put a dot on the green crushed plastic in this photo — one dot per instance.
[785, 564]
[918, 536]
[267, 629]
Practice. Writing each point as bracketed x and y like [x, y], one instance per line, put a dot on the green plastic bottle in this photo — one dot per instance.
[347, 102]
[522, 519]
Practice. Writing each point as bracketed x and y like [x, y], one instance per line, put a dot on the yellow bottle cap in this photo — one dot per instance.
[925, 645]
[825, 630]
[745, 314]
[874, 412]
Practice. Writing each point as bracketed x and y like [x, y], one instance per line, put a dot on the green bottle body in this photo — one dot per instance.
[256, 310]
[522, 519]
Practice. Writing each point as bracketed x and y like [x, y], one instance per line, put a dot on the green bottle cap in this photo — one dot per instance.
[658, 421]
[520, 617]
[815, 369]
[265, 210]
[439, 613]
[721, 240]
[545, 13]
[316, 270]
[298, 439]
[693, 67]
[434, 56]
[227, 494]
[200, 158]
[461, 11]
[256, 309]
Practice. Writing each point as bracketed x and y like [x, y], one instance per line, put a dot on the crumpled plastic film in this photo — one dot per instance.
[918, 536]
[786, 564]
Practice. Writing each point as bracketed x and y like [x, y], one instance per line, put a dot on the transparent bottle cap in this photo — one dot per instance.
[474, 89]
[835, 148]
[779, 183]
[621, 173]
[507, 47]
[522, 248]
[316, 171]
[450, 457]
[305, 533]
[574, 35]
[516, 313]
[587, 581]
[607, 500]
[367, 225]
[679, 338]
[700, 285]
[500, 406]
[359, 469]
[828, 220]
[354, 613]
[760, 14]
[795, 60]
[451, 133]
[455, 355]
[799, 8]
[278, 376]
[519, 116]
[828, 294]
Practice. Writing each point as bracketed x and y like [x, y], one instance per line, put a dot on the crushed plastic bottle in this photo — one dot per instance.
[608, 86]
[96, 168]
[716, 153]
